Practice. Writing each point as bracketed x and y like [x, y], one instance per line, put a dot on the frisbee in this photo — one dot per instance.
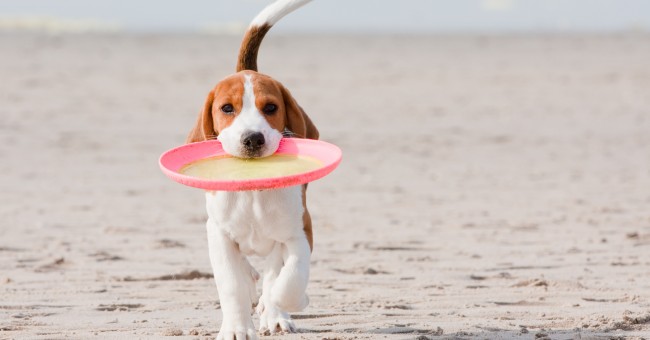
[326, 155]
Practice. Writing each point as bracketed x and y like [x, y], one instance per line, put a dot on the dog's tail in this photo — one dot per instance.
[259, 26]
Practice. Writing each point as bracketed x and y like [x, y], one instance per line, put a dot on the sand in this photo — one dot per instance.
[491, 187]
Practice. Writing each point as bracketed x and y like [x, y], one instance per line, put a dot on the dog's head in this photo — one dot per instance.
[249, 112]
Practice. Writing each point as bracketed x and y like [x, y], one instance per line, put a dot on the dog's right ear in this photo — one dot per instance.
[204, 127]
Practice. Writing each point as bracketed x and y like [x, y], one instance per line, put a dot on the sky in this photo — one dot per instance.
[331, 16]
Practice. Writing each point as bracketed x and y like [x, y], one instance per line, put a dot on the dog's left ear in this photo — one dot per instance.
[204, 127]
[297, 120]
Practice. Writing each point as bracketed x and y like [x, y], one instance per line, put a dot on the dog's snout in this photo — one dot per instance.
[253, 141]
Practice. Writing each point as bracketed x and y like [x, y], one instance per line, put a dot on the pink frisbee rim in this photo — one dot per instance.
[174, 159]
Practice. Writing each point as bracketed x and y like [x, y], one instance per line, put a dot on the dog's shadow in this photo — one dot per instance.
[438, 333]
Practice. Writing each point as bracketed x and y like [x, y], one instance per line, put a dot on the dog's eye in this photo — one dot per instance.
[227, 109]
[270, 109]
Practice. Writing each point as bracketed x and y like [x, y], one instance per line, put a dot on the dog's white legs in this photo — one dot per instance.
[288, 291]
[272, 318]
[234, 277]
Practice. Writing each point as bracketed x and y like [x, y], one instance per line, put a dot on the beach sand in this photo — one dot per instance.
[491, 187]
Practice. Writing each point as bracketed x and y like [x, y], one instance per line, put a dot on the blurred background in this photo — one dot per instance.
[495, 179]
[331, 16]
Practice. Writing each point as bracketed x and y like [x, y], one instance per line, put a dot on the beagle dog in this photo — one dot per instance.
[249, 112]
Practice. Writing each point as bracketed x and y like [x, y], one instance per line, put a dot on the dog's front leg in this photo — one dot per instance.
[272, 318]
[232, 274]
[289, 288]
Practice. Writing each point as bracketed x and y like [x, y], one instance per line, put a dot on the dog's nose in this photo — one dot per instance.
[252, 141]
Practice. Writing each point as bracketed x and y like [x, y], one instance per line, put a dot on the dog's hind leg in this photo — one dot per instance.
[255, 276]
[272, 318]
[233, 276]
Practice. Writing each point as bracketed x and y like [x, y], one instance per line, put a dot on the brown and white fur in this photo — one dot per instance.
[249, 112]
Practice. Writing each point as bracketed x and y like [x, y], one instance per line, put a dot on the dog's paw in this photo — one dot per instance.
[274, 321]
[230, 331]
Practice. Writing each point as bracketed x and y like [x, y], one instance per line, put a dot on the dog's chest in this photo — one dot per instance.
[257, 219]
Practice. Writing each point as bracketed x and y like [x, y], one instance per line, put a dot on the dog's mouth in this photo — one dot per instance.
[252, 154]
